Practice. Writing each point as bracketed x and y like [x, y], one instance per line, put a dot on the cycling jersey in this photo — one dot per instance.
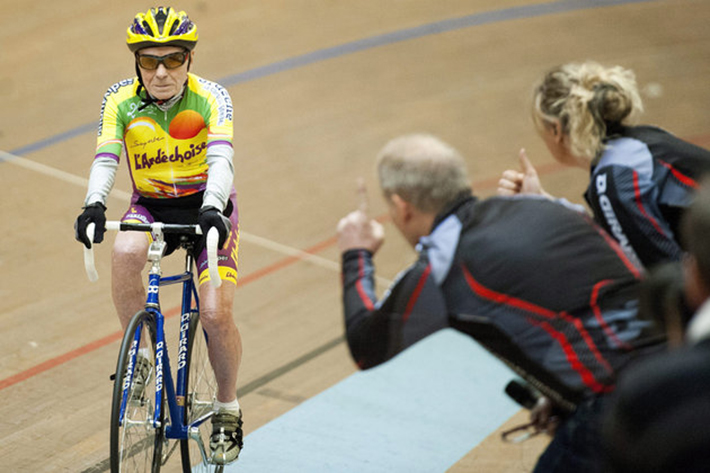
[179, 155]
[168, 150]
[640, 186]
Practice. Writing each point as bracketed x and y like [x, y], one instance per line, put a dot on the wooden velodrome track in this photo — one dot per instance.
[318, 87]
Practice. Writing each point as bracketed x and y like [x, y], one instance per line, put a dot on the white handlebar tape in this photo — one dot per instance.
[89, 266]
[212, 244]
[114, 225]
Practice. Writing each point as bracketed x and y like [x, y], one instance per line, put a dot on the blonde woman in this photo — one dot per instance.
[642, 177]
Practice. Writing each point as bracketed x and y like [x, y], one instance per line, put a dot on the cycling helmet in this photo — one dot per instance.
[162, 26]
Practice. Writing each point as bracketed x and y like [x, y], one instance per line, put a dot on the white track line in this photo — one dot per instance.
[126, 197]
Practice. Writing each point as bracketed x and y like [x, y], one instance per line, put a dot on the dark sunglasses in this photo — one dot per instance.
[170, 61]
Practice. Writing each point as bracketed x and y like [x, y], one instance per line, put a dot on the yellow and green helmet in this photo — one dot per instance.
[161, 26]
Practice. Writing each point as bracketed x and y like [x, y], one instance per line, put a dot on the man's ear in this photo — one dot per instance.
[403, 208]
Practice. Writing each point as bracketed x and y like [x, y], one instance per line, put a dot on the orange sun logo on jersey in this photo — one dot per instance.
[186, 124]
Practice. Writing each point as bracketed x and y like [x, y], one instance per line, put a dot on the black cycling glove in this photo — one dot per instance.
[211, 217]
[94, 213]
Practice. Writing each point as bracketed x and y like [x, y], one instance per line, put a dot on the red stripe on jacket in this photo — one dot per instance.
[642, 209]
[504, 299]
[586, 375]
[620, 252]
[369, 305]
[598, 315]
[688, 181]
[416, 293]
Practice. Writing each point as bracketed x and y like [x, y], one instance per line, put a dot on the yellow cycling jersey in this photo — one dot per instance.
[165, 149]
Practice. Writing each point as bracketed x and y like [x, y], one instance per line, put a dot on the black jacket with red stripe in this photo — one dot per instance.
[538, 284]
[641, 185]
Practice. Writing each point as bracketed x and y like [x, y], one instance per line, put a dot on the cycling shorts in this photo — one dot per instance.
[185, 210]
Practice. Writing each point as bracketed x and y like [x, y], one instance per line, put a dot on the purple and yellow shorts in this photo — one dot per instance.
[184, 210]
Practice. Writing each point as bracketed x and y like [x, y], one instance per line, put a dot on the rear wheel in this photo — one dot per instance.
[136, 444]
[201, 393]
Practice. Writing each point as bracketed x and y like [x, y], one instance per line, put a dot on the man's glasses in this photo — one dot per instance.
[170, 61]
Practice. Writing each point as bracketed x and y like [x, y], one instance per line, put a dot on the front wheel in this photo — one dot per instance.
[201, 392]
[136, 443]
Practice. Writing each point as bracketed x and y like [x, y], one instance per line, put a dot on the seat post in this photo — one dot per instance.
[156, 250]
[189, 245]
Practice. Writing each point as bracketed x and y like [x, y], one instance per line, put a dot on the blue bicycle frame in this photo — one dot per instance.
[176, 393]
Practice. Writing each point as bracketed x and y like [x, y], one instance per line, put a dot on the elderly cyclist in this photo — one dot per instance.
[176, 129]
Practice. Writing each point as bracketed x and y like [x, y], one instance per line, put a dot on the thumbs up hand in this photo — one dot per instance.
[525, 181]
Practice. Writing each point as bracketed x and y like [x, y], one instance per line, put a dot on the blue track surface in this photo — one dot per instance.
[420, 412]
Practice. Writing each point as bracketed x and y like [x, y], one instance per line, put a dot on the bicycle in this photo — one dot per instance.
[141, 427]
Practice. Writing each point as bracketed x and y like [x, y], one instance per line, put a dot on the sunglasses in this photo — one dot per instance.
[170, 61]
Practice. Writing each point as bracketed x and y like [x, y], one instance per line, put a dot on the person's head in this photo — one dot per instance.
[162, 41]
[575, 104]
[695, 234]
[419, 176]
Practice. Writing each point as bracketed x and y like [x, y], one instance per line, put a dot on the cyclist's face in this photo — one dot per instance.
[163, 83]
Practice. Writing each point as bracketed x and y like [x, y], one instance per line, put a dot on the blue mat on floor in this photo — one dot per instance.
[420, 412]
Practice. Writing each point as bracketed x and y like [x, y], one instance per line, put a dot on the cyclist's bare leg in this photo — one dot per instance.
[128, 260]
[225, 345]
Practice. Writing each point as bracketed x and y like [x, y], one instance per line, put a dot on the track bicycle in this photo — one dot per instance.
[149, 419]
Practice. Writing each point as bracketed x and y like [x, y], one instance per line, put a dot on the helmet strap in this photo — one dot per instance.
[148, 99]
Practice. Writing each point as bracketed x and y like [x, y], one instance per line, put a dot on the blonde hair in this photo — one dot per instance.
[423, 171]
[586, 98]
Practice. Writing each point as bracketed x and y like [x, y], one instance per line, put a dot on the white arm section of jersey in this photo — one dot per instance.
[220, 177]
[101, 179]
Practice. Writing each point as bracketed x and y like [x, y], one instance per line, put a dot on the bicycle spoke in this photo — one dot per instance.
[136, 442]
[201, 393]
